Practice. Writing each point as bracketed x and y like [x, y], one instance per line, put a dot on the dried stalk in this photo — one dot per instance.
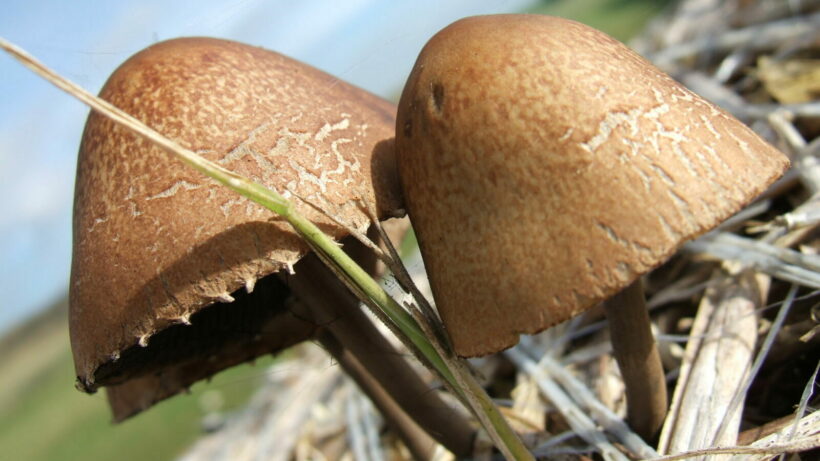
[603, 416]
[752, 37]
[802, 436]
[578, 420]
[717, 359]
[283, 404]
[750, 453]
[420, 444]
[782, 263]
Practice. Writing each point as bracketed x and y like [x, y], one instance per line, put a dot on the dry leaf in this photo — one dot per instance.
[790, 81]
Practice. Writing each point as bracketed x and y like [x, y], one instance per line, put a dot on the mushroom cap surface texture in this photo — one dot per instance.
[546, 166]
[155, 242]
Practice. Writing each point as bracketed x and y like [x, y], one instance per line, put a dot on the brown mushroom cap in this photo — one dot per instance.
[546, 166]
[155, 242]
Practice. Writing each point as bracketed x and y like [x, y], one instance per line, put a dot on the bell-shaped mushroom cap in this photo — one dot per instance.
[155, 242]
[546, 166]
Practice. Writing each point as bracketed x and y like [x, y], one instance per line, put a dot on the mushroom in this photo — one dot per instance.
[546, 167]
[175, 278]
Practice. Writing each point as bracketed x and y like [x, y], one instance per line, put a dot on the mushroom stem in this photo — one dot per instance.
[419, 443]
[332, 306]
[638, 359]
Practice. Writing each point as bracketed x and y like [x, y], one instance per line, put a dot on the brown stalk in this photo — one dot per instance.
[332, 306]
[418, 442]
[638, 359]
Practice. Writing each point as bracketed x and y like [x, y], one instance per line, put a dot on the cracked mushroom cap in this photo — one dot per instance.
[161, 252]
[546, 166]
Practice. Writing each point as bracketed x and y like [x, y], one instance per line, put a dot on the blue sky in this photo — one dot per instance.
[370, 43]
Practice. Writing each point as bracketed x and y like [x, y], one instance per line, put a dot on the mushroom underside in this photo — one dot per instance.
[220, 335]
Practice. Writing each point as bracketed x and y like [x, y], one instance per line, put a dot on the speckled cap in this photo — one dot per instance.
[155, 242]
[546, 166]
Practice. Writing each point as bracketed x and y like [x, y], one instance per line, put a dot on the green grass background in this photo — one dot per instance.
[622, 19]
[42, 416]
